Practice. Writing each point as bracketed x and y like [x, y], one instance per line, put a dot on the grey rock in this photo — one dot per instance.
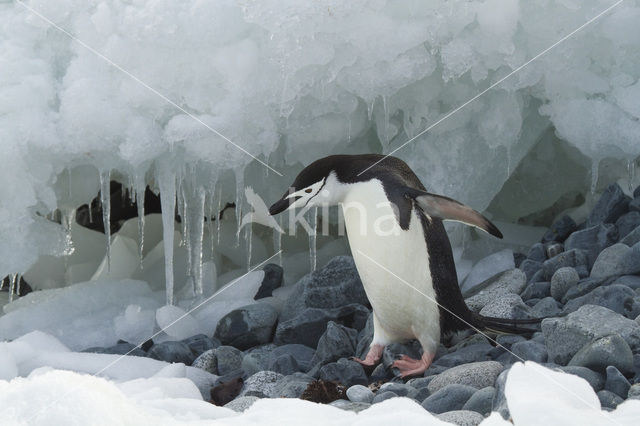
[530, 268]
[634, 391]
[399, 389]
[344, 371]
[507, 340]
[586, 286]
[261, 384]
[247, 326]
[546, 307]
[616, 382]
[593, 239]
[511, 281]
[507, 306]
[566, 335]
[562, 280]
[618, 298]
[228, 359]
[307, 326]
[272, 280]
[627, 223]
[618, 259]
[553, 249]
[383, 396]
[241, 403]
[291, 386]
[393, 351]
[537, 253]
[560, 230]
[634, 205]
[631, 281]
[284, 364]
[530, 351]
[419, 394]
[337, 342]
[201, 343]
[381, 373]
[609, 399]
[301, 353]
[476, 374]
[207, 361]
[574, 258]
[359, 393]
[612, 204]
[449, 398]
[595, 380]
[537, 290]
[632, 238]
[465, 355]
[481, 401]
[420, 382]
[335, 285]
[499, 402]
[349, 406]
[518, 258]
[461, 417]
[172, 352]
[601, 353]
[257, 359]
[636, 192]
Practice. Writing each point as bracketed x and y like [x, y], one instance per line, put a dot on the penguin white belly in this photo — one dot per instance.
[390, 262]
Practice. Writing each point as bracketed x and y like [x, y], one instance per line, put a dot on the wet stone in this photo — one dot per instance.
[449, 398]
[609, 399]
[481, 401]
[616, 382]
[561, 281]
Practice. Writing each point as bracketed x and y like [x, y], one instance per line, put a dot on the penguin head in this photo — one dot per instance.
[315, 185]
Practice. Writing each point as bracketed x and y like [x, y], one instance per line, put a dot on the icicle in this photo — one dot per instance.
[167, 183]
[12, 286]
[195, 239]
[239, 195]
[140, 189]
[386, 119]
[248, 235]
[218, 216]
[91, 211]
[631, 166]
[105, 200]
[17, 284]
[348, 135]
[508, 161]
[594, 174]
[186, 227]
[313, 238]
[370, 108]
[277, 244]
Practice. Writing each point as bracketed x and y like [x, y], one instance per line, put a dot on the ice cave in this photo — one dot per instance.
[142, 141]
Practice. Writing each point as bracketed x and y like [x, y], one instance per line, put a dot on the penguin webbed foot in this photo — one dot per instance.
[409, 367]
[372, 359]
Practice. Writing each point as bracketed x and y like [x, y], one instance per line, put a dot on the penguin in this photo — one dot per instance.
[401, 251]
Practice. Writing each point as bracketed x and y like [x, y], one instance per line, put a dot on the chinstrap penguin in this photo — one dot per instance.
[400, 248]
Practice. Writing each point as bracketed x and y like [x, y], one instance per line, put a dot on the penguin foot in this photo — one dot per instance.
[413, 367]
[373, 356]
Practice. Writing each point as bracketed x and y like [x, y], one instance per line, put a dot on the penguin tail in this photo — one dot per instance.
[507, 325]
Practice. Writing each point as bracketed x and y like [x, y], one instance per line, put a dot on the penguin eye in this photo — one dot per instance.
[308, 190]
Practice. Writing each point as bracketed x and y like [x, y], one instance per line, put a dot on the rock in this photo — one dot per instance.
[307, 327]
[511, 281]
[616, 382]
[565, 336]
[476, 374]
[381, 373]
[627, 223]
[399, 389]
[365, 336]
[586, 286]
[383, 396]
[207, 361]
[506, 306]
[228, 359]
[617, 260]
[480, 401]
[337, 342]
[271, 281]
[634, 205]
[172, 352]
[562, 280]
[284, 364]
[618, 298]
[449, 398]
[593, 239]
[595, 380]
[465, 355]
[201, 343]
[247, 326]
[560, 230]
[603, 352]
[546, 307]
[632, 238]
[225, 392]
[634, 391]
[241, 403]
[537, 253]
[292, 386]
[393, 351]
[631, 281]
[262, 384]
[359, 393]
[350, 406]
[574, 258]
[612, 204]
[301, 353]
[609, 399]
[553, 249]
[488, 267]
[257, 359]
[530, 351]
[420, 382]
[530, 268]
[344, 371]
[335, 285]
[461, 417]
[419, 395]
[536, 290]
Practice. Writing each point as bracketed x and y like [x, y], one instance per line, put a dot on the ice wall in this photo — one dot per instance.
[138, 95]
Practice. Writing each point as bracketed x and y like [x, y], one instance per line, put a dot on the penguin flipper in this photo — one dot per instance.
[447, 208]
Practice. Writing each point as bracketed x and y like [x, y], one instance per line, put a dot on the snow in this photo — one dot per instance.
[177, 323]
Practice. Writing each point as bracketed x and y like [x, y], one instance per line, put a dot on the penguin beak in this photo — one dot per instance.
[282, 205]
